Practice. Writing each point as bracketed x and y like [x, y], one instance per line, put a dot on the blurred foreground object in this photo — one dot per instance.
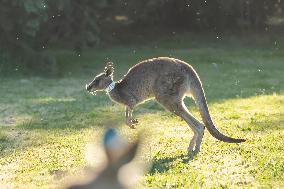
[115, 174]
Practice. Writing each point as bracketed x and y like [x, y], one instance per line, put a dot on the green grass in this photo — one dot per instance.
[46, 123]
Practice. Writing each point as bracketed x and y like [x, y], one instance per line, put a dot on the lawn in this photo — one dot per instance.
[47, 122]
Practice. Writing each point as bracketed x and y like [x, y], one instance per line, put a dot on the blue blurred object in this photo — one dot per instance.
[110, 134]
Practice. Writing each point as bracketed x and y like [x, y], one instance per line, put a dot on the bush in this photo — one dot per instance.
[30, 26]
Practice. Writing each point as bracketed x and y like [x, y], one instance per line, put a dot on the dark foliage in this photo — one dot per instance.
[28, 27]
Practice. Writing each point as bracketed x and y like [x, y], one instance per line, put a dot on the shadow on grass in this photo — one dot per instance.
[10, 140]
[82, 112]
[161, 165]
[277, 123]
[4, 141]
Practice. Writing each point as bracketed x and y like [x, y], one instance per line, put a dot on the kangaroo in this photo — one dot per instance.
[118, 153]
[168, 80]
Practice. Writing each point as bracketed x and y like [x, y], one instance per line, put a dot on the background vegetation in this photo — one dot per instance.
[28, 27]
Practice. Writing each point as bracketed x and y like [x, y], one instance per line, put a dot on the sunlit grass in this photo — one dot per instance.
[46, 123]
[220, 164]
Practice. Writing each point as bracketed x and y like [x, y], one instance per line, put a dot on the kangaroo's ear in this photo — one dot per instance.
[109, 68]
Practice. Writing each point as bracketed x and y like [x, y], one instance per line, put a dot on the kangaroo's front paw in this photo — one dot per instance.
[130, 124]
[134, 121]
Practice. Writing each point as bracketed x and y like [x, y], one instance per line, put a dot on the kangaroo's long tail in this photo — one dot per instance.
[200, 100]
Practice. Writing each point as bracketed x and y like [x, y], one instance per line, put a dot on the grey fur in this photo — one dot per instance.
[168, 80]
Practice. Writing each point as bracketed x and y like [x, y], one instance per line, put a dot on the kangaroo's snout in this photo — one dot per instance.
[88, 87]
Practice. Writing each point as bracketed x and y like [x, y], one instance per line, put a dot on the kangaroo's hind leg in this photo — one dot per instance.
[195, 125]
[176, 106]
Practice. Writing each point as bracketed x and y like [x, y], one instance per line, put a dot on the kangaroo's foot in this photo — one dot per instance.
[132, 123]
[192, 153]
[192, 144]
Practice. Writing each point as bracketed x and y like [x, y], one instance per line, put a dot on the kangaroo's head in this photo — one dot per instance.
[102, 80]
